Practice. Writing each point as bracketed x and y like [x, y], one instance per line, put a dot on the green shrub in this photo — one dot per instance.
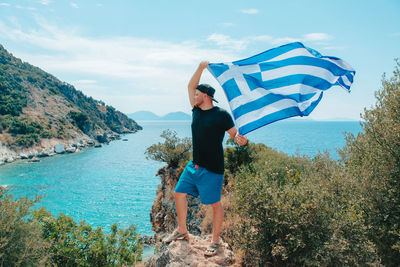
[298, 217]
[237, 156]
[80, 119]
[23, 126]
[373, 158]
[173, 150]
[21, 242]
[74, 244]
[37, 238]
[12, 95]
[26, 140]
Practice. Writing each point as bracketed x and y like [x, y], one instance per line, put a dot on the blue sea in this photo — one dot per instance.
[117, 184]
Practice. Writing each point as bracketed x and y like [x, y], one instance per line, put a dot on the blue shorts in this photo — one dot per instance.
[196, 180]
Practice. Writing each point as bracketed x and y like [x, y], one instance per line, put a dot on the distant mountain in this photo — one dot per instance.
[35, 105]
[177, 116]
[148, 115]
[143, 116]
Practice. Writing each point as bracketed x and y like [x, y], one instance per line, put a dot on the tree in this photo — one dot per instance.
[173, 151]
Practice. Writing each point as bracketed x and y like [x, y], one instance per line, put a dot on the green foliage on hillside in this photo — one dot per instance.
[37, 238]
[26, 133]
[80, 119]
[12, 94]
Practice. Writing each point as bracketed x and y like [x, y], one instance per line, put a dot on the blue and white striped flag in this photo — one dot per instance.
[279, 83]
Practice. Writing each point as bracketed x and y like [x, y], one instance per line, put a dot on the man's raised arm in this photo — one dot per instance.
[194, 81]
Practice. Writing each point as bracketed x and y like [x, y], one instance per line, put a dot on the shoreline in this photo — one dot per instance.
[53, 147]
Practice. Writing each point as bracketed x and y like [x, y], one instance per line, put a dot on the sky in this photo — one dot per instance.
[140, 55]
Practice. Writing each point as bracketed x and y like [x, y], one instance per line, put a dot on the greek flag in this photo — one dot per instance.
[279, 83]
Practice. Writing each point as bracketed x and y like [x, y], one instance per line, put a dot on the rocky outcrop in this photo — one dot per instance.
[191, 253]
[163, 214]
[164, 220]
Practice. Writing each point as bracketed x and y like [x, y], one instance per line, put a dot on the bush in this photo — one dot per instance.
[21, 243]
[74, 244]
[237, 156]
[173, 151]
[81, 120]
[373, 158]
[297, 216]
[26, 140]
[23, 126]
[37, 238]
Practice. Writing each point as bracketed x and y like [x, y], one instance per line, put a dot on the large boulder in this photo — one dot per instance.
[102, 138]
[59, 148]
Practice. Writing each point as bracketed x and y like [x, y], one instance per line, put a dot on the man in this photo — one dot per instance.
[203, 176]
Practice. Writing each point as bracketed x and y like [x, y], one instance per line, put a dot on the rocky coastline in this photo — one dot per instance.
[54, 146]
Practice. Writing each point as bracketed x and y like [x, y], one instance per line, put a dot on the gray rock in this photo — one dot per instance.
[147, 239]
[43, 154]
[24, 156]
[70, 149]
[10, 159]
[34, 159]
[90, 142]
[59, 148]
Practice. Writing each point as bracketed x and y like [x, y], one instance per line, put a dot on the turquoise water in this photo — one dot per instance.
[117, 184]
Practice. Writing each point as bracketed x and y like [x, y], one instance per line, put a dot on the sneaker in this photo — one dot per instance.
[212, 249]
[177, 236]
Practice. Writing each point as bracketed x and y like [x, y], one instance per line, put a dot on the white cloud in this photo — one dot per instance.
[395, 34]
[24, 7]
[317, 36]
[250, 11]
[226, 41]
[45, 2]
[4, 4]
[74, 5]
[99, 4]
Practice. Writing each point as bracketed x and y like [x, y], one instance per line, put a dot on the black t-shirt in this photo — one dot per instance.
[208, 130]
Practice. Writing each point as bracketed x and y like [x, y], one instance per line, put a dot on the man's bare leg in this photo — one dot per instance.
[181, 210]
[218, 218]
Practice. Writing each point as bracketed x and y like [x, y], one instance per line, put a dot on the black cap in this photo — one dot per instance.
[207, 89]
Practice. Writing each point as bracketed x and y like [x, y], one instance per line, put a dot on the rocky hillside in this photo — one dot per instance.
[38, 111]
